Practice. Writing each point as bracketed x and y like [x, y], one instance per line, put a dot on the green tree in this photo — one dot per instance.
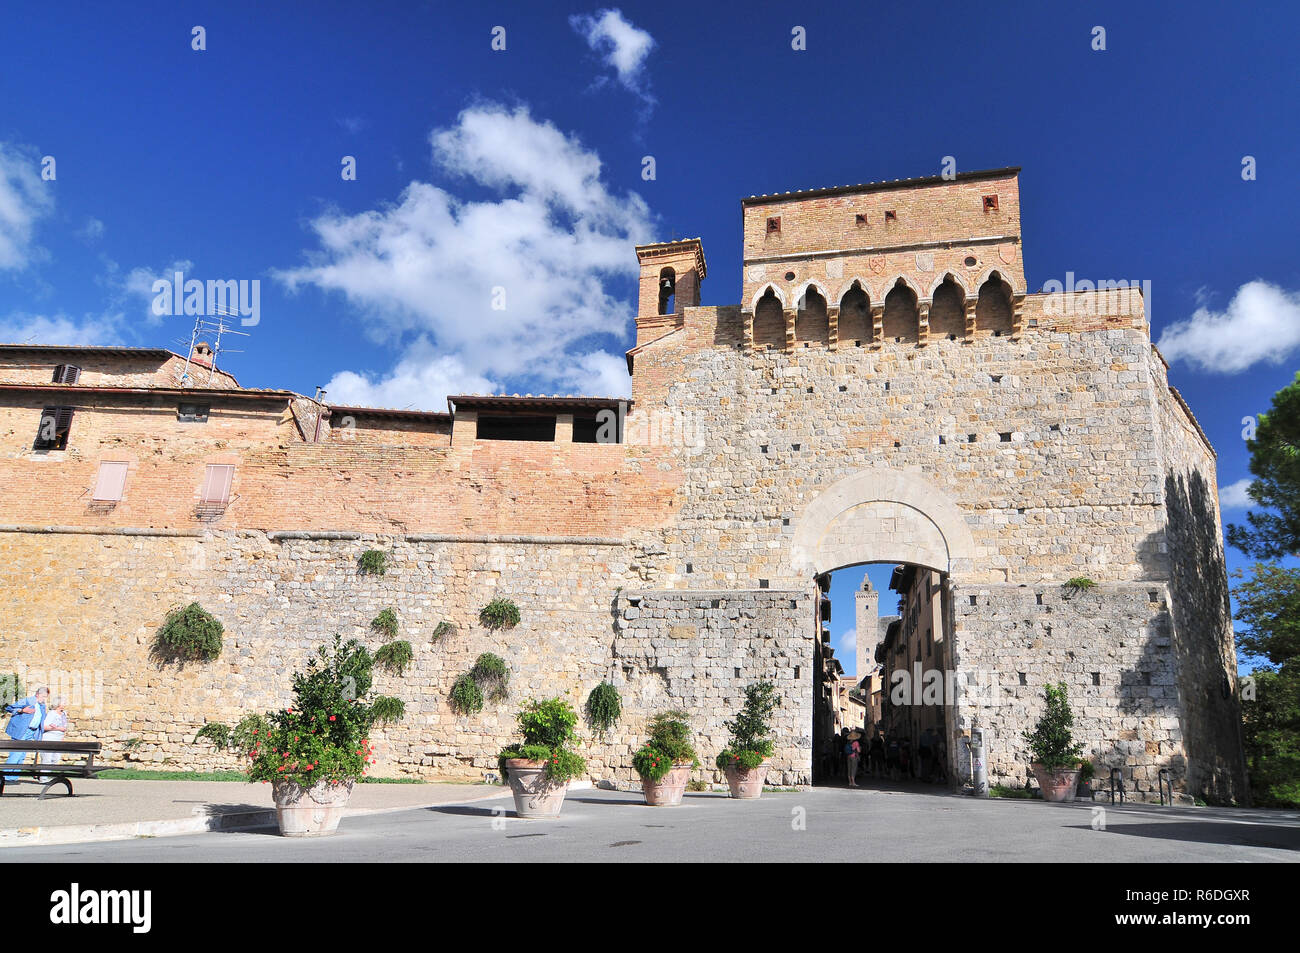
[1268, 604]
[1275, 464]
[1272, 735]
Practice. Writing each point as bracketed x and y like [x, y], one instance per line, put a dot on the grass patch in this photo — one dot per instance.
[139, 774]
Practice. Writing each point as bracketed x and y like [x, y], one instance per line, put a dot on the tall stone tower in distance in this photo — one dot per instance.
[867, 627]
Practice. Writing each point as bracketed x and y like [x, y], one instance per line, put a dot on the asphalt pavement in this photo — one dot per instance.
[820, 824]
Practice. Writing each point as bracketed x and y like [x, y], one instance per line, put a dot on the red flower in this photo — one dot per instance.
[331, 717]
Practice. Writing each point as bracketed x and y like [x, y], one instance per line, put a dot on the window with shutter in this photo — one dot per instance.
[67, 374]
[110, 483]
[216, 486]
[52, 432]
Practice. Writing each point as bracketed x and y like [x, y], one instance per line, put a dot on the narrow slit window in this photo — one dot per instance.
[110, 483]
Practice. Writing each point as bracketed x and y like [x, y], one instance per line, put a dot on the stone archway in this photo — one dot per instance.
[882, 515]
[879, 514]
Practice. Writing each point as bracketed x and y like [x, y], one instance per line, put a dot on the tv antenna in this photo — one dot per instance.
[215, 327]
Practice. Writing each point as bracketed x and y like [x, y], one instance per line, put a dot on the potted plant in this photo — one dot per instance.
[314, 751]
[1056, 756]
[744, 760]
[665, 761]
[539, 770]
[1086, 772]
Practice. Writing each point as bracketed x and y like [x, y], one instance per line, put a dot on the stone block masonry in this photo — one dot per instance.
[885, 390]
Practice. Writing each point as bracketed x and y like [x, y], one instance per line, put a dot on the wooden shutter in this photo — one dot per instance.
[216, 484]
[52, 431]
[110, 483]
[67, 374]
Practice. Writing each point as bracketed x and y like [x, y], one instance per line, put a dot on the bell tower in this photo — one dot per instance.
[671, 273]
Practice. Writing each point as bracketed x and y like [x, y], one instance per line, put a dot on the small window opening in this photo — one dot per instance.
[52, 432]
[66, 374]
[990, 203]
[860, 220]
[502, 427]
[192, 413]
[774, 225]
[891, 216]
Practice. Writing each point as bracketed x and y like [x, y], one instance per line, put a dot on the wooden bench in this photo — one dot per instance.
[82, 764]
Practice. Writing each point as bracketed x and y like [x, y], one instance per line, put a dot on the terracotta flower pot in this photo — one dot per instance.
[1058, 784]
[535, 794]
[668, 790]
[310, 812]
[746, 782]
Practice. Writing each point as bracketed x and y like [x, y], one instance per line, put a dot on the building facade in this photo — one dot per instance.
[886, 390]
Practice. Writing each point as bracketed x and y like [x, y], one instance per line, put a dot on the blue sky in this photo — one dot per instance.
[521, 169]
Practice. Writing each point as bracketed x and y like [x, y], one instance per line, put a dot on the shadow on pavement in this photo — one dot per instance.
[1208, 832]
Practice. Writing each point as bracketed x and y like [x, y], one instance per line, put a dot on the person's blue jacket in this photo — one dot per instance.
[18, 727]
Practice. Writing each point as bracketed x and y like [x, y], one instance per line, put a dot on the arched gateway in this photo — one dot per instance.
[882, 515]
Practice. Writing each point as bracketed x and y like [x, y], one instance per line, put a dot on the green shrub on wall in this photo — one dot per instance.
[385, 624]
[1078, 584]
[189, 634]
[394, 657]
[444, 628]
[466, 697]
[491, 675]
[604, 706]
[499, 614]
[373, 562]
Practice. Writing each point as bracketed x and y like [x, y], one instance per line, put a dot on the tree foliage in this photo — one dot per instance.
[1275, 464]
[1051, 743]
[750, 742]
[1272, 735]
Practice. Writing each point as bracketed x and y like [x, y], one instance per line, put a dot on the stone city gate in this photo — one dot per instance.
[887, 388]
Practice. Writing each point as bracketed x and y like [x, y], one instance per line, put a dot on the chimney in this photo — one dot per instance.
[202, 354]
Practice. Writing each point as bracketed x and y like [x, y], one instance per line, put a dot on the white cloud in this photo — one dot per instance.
[421, 380]
[430, 267]
[21, 328]
[138, 285]
[621, 45]
[1260, 324]
[24, 199]
[91, 232]
[1233, 496]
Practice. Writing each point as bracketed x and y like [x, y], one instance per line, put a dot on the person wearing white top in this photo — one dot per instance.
[56, 727]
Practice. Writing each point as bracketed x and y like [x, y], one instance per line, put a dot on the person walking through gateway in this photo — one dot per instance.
[852, 751]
